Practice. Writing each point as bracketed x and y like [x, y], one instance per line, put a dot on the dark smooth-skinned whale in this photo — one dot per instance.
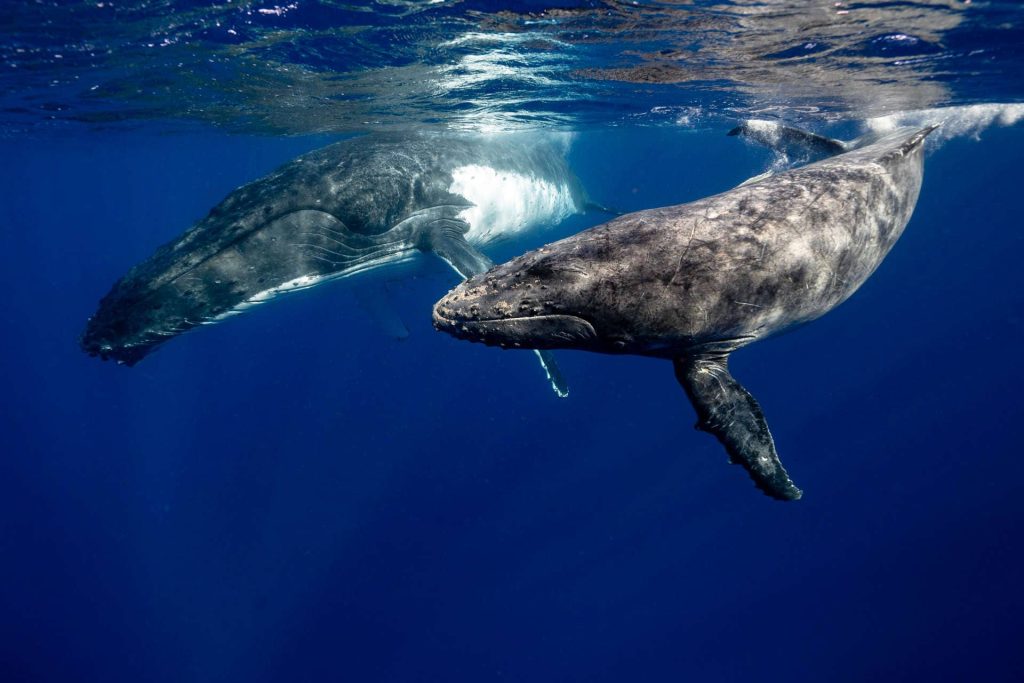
[695, 282]
[350, 207]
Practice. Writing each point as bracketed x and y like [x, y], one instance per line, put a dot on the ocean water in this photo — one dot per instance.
[293, 496]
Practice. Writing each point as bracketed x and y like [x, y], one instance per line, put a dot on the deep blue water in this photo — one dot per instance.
[291, 496]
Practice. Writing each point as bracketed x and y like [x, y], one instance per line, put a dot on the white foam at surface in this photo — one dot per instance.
[962, 121]
[507, 204]
[770, 129]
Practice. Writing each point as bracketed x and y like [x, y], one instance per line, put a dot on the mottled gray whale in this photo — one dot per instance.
[694, 282]
[350, 207]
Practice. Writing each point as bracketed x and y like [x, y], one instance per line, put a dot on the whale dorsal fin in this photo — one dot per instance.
[728, 411]
[444, 235]
[788, 141]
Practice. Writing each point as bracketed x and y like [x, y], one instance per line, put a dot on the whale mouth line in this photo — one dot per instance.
[531, 331]
[124, 354]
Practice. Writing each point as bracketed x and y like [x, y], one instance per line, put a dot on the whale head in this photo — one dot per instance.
[122, 331]
[198, 281]
[546, 299]
[147, 308]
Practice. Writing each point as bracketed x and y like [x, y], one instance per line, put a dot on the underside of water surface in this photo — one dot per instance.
[321, 66]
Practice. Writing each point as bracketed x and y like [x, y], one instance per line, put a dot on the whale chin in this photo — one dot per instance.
[529, 332]
[123, 355]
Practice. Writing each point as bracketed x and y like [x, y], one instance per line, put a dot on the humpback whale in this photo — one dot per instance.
[350, 207]
[695, 282]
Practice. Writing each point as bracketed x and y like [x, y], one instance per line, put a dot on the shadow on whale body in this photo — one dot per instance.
[693, 283]
[348, 208]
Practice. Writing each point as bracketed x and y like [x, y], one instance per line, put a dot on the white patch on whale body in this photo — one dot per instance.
[507, 204]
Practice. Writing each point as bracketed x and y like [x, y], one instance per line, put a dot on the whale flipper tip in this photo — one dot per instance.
[729, 412]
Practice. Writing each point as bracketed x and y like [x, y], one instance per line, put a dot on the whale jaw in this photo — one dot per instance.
[531, 331]
[127, 354]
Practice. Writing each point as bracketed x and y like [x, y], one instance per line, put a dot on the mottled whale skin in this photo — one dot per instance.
[352, 206]
[694, 282]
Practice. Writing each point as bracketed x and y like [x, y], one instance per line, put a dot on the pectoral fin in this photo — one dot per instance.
[728, 411]
[553, 372]
[445, 236]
